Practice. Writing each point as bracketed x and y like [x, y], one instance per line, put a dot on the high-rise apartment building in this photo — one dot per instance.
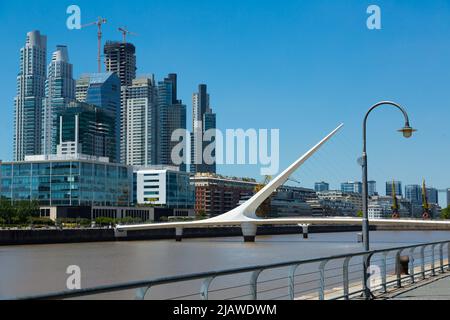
[203, 120]
[30, 95]
[141, 135]
[59, 91]
[103, 90]
[120, 58]
[371, 188]
[171, 116]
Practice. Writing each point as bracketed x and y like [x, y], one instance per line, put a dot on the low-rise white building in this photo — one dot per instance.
[163, 186]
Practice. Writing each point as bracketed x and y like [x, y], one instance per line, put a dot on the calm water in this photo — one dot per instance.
[41, 268]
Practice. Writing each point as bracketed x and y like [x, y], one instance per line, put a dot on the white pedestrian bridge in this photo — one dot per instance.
[245, 217]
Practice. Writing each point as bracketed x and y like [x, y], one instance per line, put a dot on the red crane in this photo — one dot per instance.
[125, 32]
[100, 21]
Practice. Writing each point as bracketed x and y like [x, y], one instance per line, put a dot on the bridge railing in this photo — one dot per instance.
[346, 276]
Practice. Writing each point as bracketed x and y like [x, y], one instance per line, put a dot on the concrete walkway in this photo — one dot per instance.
[436, 290]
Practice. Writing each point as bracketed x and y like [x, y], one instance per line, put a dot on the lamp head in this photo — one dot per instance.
[407, 131]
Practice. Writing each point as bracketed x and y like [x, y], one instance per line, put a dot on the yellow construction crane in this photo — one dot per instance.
[100, 21]
[425, 205]
[125, 32]
[395, 206]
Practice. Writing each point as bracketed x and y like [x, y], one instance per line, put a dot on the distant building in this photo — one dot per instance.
[30, 95]
[398, 188]
[85, 129]
[433, 195]
[371, 188]
[413, 193]
[290, 201]
[321, 186]
[203, 119]
[338, 203]
[171, 116]
[215, 195]
[120, 58]
[141, 140]
[103, 91]
[351, 187]
[53, 180]
[381, 207]
[448, 197]
[164, 186]
[59, 91]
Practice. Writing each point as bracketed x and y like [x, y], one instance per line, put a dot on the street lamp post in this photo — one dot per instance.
[407, 132]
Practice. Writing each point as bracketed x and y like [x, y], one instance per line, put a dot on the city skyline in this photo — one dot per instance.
[336, 165]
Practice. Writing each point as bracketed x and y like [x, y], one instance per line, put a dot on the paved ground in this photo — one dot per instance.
[436, 290]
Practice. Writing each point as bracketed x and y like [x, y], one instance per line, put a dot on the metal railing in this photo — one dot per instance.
[335, 277]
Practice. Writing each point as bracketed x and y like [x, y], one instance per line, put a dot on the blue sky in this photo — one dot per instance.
[300, 66]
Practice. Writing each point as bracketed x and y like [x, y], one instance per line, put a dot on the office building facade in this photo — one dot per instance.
[103, 91]
[164, 186]
[86, 129]
[351, 187]
[66, 181]
[141, 134]
[321, 186]
[30, 96]
[398, 188]
[413, 193]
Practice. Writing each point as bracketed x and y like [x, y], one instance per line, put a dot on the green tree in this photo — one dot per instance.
[359, 214]
[445, 213]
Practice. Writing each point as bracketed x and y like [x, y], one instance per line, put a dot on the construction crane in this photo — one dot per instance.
[100, 21]
[125, 32]
[395, 206]
[425, 205]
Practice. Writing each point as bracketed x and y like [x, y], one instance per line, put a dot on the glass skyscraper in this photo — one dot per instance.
[103, 91]
[171, 116]
[59, 91]
[30, 95]
[351, 187]
[321, 186]
[86, 129]
[203, 119]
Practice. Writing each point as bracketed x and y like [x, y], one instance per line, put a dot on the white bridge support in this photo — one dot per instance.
[249, 231]
[305, 230]
[244, 216]
[178, 234]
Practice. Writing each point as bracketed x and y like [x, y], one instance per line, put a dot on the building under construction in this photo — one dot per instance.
[120, 58]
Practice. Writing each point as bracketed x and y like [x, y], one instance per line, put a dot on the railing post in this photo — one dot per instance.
[422, 264]
[448, 255]
[366, 276]
[411, 266]
[433, 272]
[141, 293]
[345, 277]
[384, 272]
[322, 279]
[204, 291]
[441, 257]
[254, 284]
[397, 268]
[292, 270]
